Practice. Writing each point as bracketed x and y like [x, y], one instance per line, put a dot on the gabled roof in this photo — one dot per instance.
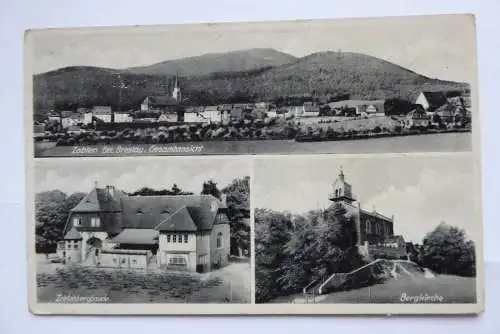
[99, 200]
[89, 203]
[181, 220]
[150, 211]
[137, 236]
[376, 215]
[73, 234]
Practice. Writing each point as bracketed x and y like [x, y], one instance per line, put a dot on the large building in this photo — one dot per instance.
[374, 231]
[109, 228]
[165, 104]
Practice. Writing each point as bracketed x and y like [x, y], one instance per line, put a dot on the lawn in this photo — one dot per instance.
[453, 289]
[139, 286]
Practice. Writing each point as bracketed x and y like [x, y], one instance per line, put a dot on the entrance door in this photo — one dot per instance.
[93, 249]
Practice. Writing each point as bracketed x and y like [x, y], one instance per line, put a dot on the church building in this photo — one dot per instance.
[109, 228]
[374, 231]
[167, 105]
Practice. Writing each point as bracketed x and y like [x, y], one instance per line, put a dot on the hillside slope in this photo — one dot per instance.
[319, 74]
[242, 60]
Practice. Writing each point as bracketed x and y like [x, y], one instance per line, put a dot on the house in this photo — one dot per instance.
[109, 228]
[366, 108]
[104, 113]
[432, 100]
[123, 117]
[374, 231]
[416, 118]
[213, 114]
[72, 119]
[39, 129]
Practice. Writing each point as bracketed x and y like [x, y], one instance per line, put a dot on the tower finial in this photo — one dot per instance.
[341, 173]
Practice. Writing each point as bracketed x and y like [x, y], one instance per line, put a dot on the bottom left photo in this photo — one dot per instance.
[142, 230]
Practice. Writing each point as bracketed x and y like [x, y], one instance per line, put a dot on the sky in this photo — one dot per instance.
[420, 191]
[130, 174]
[441, 47]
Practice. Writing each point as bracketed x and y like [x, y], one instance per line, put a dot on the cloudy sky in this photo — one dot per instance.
[129, 174]
[420, 191]
[437, 46]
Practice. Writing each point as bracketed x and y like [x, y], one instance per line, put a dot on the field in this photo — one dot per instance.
[453, 289]
[230, 284]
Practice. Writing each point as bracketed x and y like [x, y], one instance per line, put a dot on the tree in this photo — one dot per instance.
[271, 236]
[446, 250]
[238, 212]
[175, 190]
[210, 188]
[51, 214]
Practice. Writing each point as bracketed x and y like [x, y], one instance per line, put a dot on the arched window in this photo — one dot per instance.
[219, 240]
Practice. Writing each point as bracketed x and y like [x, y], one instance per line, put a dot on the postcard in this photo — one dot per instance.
[290, 167]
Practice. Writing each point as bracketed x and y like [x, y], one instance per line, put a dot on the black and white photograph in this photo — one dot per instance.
[393, 230]
[149, 231]
[295, 87]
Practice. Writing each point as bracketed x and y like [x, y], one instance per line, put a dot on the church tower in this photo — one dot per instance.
[342, 191]
[176, 93]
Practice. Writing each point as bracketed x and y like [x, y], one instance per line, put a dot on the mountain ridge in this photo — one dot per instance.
[323, 73]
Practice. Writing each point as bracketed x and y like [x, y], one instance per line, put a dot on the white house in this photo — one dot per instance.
[103, 113]
[122, 117]
[109, 228]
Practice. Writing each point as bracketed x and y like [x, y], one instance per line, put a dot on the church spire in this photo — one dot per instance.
[176, 93]
[341, 173]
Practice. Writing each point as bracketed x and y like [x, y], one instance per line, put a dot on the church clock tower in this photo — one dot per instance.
[342, 191]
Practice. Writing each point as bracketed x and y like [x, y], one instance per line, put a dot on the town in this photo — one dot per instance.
[166, 117]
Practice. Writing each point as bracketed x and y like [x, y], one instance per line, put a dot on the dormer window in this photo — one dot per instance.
[139, 211]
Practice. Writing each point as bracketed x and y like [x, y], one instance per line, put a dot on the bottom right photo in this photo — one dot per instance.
[361, 230]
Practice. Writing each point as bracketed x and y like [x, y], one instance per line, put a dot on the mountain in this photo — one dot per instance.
[322, 74]
[242, 60]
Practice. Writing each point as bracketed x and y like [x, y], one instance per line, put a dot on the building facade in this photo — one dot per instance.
[109, 228]
[374, 231]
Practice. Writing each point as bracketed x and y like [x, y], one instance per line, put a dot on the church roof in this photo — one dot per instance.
[376, 215]
[161, 101]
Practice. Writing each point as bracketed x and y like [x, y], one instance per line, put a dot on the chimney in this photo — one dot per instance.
[223, 199]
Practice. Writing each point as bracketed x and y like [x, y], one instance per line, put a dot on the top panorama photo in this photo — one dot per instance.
[390, 85]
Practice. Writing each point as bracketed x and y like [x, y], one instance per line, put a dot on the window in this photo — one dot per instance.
[174, 238]
[134, 261]
[95, 222]
[75, 246]
[76, 221]
[177, 260]
[168, 237]
[219, 240]
[185, 238]
[69, 245]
